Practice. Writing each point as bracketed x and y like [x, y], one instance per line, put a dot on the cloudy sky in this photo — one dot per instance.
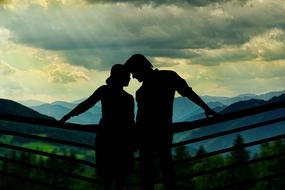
[63, 49]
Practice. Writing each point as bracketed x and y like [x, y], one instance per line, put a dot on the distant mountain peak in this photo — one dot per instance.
[252, 103]
[278, 98]
[30, 103]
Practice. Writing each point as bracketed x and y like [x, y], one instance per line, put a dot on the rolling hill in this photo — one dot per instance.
[14, 108]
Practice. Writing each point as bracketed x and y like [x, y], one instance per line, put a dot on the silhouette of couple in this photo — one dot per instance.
[114, 144]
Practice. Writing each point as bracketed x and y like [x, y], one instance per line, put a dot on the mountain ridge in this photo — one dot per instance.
[183, 109]
[12, 107]
[249, 135]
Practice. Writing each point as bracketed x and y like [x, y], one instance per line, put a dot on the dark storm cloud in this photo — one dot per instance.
[167, 2]
[101, 59]
[101, 35]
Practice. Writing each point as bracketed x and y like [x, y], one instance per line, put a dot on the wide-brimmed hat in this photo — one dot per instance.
[117, 74]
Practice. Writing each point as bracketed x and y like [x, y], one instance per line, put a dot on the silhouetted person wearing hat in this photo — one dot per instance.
[114, 155]
[154, 116]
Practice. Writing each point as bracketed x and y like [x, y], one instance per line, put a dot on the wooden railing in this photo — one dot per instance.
[180, 127]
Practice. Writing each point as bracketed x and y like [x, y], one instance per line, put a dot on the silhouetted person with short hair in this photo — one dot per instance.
[114, 155]
[154, 116]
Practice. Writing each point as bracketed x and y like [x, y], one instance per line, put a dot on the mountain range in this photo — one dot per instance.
[184, 110]
[242, 97]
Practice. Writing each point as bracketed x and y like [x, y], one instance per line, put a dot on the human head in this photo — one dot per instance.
[138, 65]
[119, 76]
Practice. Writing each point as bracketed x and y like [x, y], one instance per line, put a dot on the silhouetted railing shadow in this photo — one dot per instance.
[180, 127]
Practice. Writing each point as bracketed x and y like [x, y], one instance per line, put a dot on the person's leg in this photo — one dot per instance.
[167, 165]
[120, 182]
[147, 164]
[108, 182]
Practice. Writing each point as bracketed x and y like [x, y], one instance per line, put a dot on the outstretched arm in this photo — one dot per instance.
[84, 106]
[183, 89]
[190, 94]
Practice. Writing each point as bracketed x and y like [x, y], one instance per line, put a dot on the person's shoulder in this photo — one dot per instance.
[168, 73]
[102, 88]
[172, 78]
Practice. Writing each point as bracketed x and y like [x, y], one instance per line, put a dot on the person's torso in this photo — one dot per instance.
[117, 109]
[155, 98]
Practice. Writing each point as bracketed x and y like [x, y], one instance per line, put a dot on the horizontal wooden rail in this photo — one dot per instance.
[48, 139]
[49, 123]
[231, 131]
[51, 155]
[177, 127]
[186, 126]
